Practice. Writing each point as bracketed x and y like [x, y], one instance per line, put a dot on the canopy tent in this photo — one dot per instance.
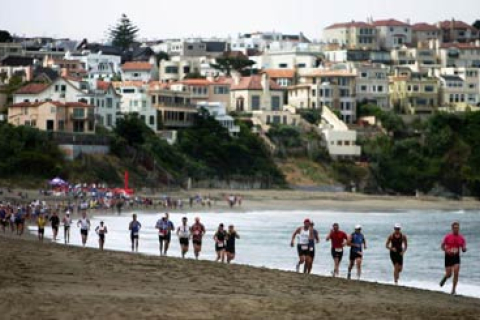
[57, 182]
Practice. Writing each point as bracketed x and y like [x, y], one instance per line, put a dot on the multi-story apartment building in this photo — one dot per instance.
[423, 33]
[135, 99]
[11, 49]
[458, 31]
[332, 88]
[352, 35]
[414, 93]
[372, 84]
[417, 59]
[460, 86]
[460, 55]
[100, 65]
[298, 58]
[138, 71]
[175, 108]
[393, 33]
[264, 41]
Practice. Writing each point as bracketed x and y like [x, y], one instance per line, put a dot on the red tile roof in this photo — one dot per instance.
[280, 73]
[133, 66]
[56, 103]
[330, 73]
[447, 24]
[353, 24]
[103, 85]
[254, 83]
[195, 82]
[32, 88]
[424, 27]
[390, 23]
[118, 84]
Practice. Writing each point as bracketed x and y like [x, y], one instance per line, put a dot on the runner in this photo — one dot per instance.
[55, 220]
[304, 235]
[101, 230]
[162, 226]
[339, 239]
[67, 222]
[170, 228]
[220, 237]
[3, 215]
[397, 244]
[84, 224]
[452, 244]
[198, 231]
[357, 244]
[134, 228]
[183, 233]
[232, 234]
[41, 222]
[19, 221]
[311, 248]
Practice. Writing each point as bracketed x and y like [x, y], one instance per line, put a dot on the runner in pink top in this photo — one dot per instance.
[452, 244]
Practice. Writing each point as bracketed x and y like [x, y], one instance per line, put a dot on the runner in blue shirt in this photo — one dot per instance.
[357, 244]
[134, 228]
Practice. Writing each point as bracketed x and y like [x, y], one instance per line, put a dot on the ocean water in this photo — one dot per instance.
[265, 241]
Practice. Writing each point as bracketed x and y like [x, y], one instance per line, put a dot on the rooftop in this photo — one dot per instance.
[253, 82]
[352, 24]
[32, 88]
[390, 23]
[134, 66]
[280, 73]
[424, 27]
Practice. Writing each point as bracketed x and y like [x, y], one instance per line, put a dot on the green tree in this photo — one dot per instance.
[133, 129]
[228, 63]
[123, 35]
[5, 36]
[476, 24]
[162, 55]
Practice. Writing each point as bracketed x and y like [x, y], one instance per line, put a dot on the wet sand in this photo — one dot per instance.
[49, 281]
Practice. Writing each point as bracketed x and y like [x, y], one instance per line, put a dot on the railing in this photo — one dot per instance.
[78, 138]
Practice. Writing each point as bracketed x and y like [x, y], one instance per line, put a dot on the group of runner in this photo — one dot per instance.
[307, 237]
[224, 238]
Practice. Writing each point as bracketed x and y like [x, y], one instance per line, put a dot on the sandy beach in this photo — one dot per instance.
[49, 281]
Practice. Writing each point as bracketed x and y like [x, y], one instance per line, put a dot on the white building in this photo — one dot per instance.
[297, 58]
[471, 83]
[460, 55]
[339, 140]
[135, 99]
[219, 111]
[372, 85]
[138, 71]
[97, 64]
[393, 33]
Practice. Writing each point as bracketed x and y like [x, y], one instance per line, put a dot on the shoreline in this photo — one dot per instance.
[261, 200]
[84, 283]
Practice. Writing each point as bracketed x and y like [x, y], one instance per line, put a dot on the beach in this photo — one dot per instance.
[50, 281]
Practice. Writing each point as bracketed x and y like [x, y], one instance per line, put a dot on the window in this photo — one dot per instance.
[128, 90]
[282, 65]
[429, 89]
[136, 74]
[53, 110]
[221, 90]
[314, 92]
[301, 65]
[152, 120]
[363, 88]
[275, 103]
[63, 88]
[364, 75]
[61, 125]
[109, 120]
[379, 88]
[154, 98]
[78, 113]
[186, 69]
[255, 103]
[143, 118]
[171, 69]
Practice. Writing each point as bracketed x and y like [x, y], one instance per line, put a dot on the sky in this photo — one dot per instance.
[158, 19]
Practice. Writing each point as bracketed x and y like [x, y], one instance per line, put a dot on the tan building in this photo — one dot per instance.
[74, 117]
[423, 33]
[255, 93]
[206, 90]
[351, 35]
[412, 93]
[174, 108]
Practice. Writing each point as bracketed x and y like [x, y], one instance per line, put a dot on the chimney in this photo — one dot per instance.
[265, 83]
[236, 78]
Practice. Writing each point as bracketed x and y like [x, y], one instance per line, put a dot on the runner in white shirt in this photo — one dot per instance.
[67, 222]
[101, 230]
[84, 224]
[183, 233]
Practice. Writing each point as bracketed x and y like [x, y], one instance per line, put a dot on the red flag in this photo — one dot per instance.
[126, 180]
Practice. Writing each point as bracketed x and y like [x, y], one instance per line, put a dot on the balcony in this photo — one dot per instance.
[85, 117]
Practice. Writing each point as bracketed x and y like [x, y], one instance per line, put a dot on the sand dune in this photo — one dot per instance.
[48, 281]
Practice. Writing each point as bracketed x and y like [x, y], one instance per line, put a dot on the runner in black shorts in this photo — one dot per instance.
[183, 233]
[397, 244]
[232, 235]
[220, 238]
[198, 231]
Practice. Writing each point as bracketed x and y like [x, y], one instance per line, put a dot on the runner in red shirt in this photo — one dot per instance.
[339, 240]
[452, 244]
